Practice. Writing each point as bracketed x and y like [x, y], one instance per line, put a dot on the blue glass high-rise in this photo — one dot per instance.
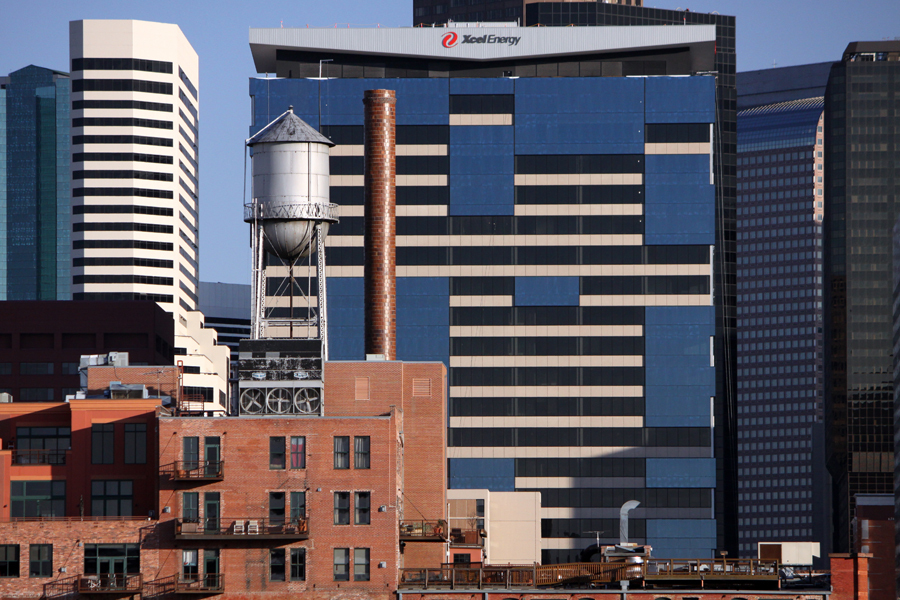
[35, 198]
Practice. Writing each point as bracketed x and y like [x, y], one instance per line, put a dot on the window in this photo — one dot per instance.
[42, 445]
[37, 498]
[298, 564]
[41, 560]
[342, 452]
[111, 498]
[276, 564]
[36, 368]
[298, 452]
[342, 564]
[276, 508]
[189, 564]
[363, 503]
[276, 452]
[103, 559]
[9, 560]
[361, 564]
[298, 506]
[190, 507]
[102, 443]
[191, 452]
[135, 443]
[361, 452]
[342, 508]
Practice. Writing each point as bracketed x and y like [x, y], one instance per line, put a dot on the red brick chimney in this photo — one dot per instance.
[381, 222]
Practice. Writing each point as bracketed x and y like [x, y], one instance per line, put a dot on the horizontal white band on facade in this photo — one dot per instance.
[546, 331]
[648, 300]
[574, 239]
[576, 543]
[547, 361]
[579, 482]
[481, 300]
[137, 218]
[677, 148]
[403, 210]
[128, 253]
[401, 180]
[545, 422]
[524, 210]
[123, 235]
[612, 512]
[578, 452]
[285, 301]
[549, 271]
[490, 119]
[285, 332]
[547, 391]
[522, 179]
[132, 165]
[401, 149]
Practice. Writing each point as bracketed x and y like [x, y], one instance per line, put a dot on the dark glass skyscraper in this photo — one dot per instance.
[780, 380]
[35, 193]
[862, 181]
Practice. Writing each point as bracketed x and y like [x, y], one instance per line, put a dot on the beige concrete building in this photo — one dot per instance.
[135, 188]
[496, 528]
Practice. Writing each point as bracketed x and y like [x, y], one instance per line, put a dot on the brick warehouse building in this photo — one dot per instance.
[276, 505]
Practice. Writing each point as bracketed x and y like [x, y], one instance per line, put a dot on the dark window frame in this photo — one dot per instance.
[298, 564]
[277, 458]
[298, 452]
[362, 451]
[362, 508]
[10, 561]
[342, 452]
[40, 560]
[103, 443]
[341, 508]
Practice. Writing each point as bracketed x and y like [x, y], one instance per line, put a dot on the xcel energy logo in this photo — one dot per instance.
[451, 39]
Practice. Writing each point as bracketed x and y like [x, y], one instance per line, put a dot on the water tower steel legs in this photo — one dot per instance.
[320, 278]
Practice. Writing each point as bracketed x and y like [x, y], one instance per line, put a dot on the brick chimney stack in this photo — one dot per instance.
[381, 223]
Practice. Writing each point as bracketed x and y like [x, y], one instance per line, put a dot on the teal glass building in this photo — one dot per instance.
[35, 190]
[556, 249]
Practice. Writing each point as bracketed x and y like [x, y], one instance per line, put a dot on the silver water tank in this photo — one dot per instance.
[290, 185]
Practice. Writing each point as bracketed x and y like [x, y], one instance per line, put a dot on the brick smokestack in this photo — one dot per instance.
[381, 222]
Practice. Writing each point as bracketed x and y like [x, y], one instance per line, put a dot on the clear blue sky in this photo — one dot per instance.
[786, 32]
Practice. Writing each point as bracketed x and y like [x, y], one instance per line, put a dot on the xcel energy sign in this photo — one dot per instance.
[452, 39]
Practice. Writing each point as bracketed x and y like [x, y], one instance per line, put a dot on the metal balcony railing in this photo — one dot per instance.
[242, 528]
[423, 530]
[192, 470]
[197, 584]
[110, 584]
[39, 457]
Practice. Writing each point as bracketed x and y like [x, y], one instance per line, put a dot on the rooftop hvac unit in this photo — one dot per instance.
[4, 397]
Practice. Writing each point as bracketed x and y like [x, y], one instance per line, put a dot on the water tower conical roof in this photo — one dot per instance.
[289, 128]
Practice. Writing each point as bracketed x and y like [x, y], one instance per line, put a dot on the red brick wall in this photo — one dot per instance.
[100, 377]
[849, 576]
[390, 383]
[670, 594]
[248, 479]
[68, 539]
[880, 544]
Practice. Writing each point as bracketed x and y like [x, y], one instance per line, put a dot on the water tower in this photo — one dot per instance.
[280, 367]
